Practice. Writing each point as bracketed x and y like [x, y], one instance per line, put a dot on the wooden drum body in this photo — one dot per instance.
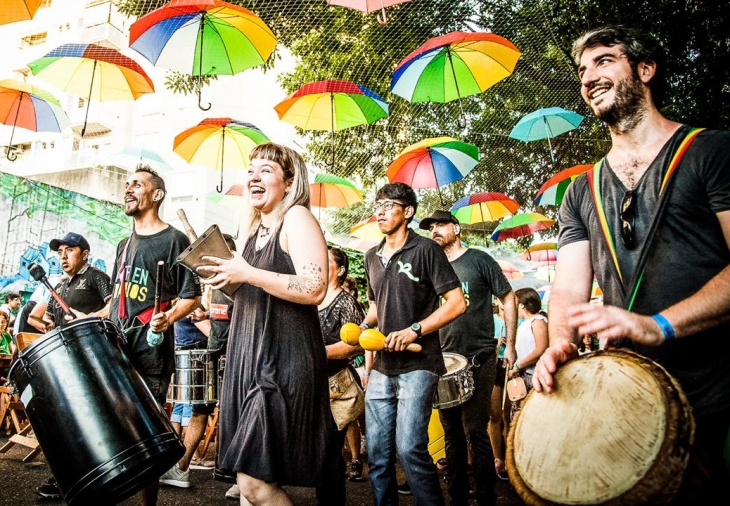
[617, 430]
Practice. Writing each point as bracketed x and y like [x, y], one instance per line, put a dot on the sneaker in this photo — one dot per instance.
[49, 490]
[233, 493]
[355, 473]
[176, 478]
[404, 488]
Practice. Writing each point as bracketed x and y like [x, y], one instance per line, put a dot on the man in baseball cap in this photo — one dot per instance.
[438, 217]
[71, 239]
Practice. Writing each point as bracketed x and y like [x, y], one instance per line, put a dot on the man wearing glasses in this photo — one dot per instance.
[666, 281]
[406, 274]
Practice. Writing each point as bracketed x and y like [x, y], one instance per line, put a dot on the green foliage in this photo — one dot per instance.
[186, 84]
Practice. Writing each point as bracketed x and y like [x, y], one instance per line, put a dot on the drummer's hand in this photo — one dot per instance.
[551, 358]
[159, 322]
[77, 315]
[223, 271]
[509, 357]
[512, 373]
[399, 340]
[611, 322]
[365, 381]
[198, 315]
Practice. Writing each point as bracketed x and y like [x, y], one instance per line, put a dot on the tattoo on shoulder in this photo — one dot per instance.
[308, 281]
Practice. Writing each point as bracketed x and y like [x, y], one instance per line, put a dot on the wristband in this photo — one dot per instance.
[666, 327]
[365, 324]
[366, 373]
[516, 367]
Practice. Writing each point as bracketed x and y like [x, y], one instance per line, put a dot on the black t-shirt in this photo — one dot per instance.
[407, 291]
[87, 292]
[688, 250]
[221, 310]
[481, 277]
[143, 253]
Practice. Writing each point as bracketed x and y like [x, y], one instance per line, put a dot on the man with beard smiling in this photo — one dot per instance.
[679, 296]
[134, 288]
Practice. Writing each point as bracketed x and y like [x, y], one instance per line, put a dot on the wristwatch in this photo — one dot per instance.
[416, 327]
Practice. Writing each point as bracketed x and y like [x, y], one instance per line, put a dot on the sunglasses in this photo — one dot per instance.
[627, 214]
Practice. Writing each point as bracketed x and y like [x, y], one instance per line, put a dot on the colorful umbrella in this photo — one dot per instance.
[202, 38]
[453, 66]
[545, 124]
[18, 10]
[521, 225]
[331, 106]
[368, 229]
[219, 143]
[484, 207]
[368, 6]
[552, 191]
[545, 252]
[232, 197]
[433, 163]
[96, 72]
[510, 270]
[132, 156]
[26, 106]
[332, 191]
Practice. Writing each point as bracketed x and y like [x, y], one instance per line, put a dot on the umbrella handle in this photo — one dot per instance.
[10, 154]
[382, 20]
[200, 106]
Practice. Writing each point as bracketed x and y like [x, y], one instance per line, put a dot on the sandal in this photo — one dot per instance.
[500, 469]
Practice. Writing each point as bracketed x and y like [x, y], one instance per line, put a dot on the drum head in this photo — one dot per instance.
[616, 429]
[454, 362]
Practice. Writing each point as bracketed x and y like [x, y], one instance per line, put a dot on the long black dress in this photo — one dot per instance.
[275, 420]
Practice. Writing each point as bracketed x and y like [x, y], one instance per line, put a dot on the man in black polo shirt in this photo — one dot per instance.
[406, 275]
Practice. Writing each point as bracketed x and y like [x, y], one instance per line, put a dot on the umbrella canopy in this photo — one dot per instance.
[433, 163]
[18, 10]
[545, 252]
[232, 197]
[510, 270]
[369, 231]
[552, 191]
[132, 156]
[453, 66]
[368, 6]
[202, 38]
[484, 207]
[545, 124]
[219, 143]
[332, 191]
[93, 72]
[521, 225]
[26, 106]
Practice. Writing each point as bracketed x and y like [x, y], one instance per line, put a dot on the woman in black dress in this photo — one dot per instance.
[275, 421]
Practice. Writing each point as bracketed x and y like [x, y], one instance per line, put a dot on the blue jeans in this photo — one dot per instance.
[397, 412]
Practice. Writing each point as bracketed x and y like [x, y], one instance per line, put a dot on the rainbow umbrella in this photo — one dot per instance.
[219, 143]
[545, 124]
[552, 191]
[453, 66]
[545, 252]
[26, 106]
[202, 38]
[132, 156]
[484, 207]
[368, 6]
[521, 225]
[18, 10]
[510, 270]
[433, 163]
[232, 197]
[369, 231]
[332, 191]
[331, 106]
[96, 72]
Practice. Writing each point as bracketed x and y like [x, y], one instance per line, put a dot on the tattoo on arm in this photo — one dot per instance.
[308, 281]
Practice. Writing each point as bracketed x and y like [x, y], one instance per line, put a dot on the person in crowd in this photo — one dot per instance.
[6, 339]
[406, 274]
[622, 76]
[11, 306]
[472, 336]
[587, 344]
[338, 308]
[532, 338]
[498, 426]
[87, 291]
[276, 427]
[135, 284]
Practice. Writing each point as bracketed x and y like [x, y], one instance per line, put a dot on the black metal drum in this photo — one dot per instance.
[103, 434]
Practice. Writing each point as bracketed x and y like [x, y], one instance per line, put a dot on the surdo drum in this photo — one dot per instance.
[457, 385]
[616, 430]
[102, 432]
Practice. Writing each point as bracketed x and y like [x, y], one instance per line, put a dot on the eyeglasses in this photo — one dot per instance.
[385, 206]
[627, 214]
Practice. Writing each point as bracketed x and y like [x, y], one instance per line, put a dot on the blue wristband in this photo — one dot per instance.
[666, 327]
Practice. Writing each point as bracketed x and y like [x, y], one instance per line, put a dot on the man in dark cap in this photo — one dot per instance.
[472, 336]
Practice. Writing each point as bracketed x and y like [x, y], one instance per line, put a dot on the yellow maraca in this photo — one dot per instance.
[350, 333]
[374, 340]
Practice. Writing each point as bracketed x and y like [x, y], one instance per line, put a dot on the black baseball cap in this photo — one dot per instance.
[71, 239]
[438, 217]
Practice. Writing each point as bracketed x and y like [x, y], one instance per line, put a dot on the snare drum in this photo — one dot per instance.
[616, 430]
[457, 385]
[195, 380]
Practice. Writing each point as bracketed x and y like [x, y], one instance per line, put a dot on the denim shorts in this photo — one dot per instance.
[181, 413]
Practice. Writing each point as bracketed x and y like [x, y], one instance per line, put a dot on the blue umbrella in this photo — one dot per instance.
[544, 124]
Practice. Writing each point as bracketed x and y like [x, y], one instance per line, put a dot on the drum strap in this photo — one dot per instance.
[594, 178]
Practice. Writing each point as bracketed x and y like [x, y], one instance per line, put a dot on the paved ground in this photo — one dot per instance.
[18, 481]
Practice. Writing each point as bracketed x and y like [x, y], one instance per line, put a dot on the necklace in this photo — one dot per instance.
[264, 231]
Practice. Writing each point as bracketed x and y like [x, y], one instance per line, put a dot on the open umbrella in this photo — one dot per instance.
[92, 71]
[433, 163]
[484, 207]
[202, 38]
[232, 197]
[510, 270]
[18, 10]
[521, 225]
[132, 156]
[453, 66]
[26, 106]
[545, 124]
[331, 106]
[219, 143]
[552, 191]
[543, 253]
[332, 191]
[368, 6]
